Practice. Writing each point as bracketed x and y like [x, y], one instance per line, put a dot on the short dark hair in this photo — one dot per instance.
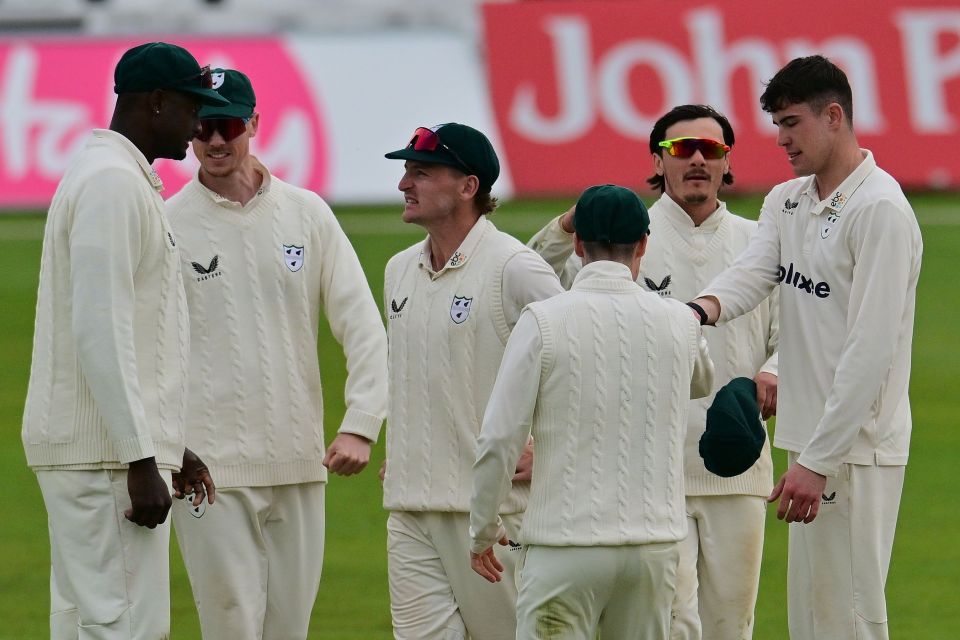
[682, 113]
[813, 80]
[614, 251]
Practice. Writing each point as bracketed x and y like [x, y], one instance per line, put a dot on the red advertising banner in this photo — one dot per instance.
[577, 86]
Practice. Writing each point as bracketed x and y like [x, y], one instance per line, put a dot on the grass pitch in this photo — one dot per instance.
[353, 601]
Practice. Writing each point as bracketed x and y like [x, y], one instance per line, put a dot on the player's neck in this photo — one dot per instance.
[446, 236]
[700, 212]
[238, 186]
[841, 164]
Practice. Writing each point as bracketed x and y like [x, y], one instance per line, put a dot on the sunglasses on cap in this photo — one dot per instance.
[685, 148]
[425, 139]
[205, 79]
[229, 128]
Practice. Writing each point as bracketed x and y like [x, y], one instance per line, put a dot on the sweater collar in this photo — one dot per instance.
[837, 200]
[265, 184]
[605, 275]
[120, 141]
[680, 219]
[464, 252]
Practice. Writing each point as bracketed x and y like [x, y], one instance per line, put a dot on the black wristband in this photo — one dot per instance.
[700, 312]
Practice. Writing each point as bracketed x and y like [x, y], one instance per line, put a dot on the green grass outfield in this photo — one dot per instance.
[922, 591]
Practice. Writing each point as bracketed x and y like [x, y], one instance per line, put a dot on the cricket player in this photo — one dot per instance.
[103, 426]
[693, 237]
[265, 259]
[601, 376]
[451, 302]
[843, 244]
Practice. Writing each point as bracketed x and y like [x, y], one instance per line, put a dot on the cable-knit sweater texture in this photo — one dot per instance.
[111, 340]
[447, 331]
[681, 259]
[606, 400]
[258, 277]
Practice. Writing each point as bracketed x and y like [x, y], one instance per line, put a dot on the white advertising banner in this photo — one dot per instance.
[330, 107]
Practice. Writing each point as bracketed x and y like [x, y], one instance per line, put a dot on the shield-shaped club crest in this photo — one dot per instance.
[460, 309]
[293, 256]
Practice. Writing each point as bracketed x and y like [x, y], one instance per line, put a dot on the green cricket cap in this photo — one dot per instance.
[460, 146]
[612, 214]
[234, 86]
[160, 65]
[734, 437]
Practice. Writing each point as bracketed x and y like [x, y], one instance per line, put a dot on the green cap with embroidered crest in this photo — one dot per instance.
[456, 145]
[160, 65]
[234, 86]
[734, 436]
[612, 214]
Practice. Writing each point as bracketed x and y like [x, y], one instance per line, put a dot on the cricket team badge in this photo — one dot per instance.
[460, 309]
[195, 511]
[293, 256]
[828, 225]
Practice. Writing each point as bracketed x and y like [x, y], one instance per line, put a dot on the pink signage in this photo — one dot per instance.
[53, 92]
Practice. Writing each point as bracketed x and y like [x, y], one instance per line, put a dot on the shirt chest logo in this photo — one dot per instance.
[661, 289]
[396, 308]
[829, 224]
[789, 206]
[212, 270]
[460, 309]
[293, 257]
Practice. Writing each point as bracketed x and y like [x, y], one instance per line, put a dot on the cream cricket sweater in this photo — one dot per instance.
[447, 331]
[111, 340]
[680, 260]
[847, 269]
[258, 277]
[601, 376]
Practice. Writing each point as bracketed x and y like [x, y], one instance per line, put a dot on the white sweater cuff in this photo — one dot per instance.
[136, 448]
[361, 424]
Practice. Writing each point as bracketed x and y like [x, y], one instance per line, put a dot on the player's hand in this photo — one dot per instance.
[566, 220]
[524, 472]
[799, 491]
[766, 393]
[194, 478]
[150, 499]
[486, 563]
[382, 473]
[347, 454]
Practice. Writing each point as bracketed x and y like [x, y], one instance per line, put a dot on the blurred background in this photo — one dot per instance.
[568, 91]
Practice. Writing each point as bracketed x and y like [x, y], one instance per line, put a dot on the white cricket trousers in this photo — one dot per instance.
[254, 559]
[624, 592]
[838, 563]
[109, 578]
[719, 573]
[434, 592]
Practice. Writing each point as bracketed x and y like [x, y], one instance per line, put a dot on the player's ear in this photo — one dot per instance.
[254, 124]
[469, 187]
[577, 245]
[657, 163]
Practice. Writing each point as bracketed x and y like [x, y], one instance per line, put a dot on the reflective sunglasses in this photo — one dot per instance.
[205, 77]
[425, 139]
[685, 148]
[229, 128]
